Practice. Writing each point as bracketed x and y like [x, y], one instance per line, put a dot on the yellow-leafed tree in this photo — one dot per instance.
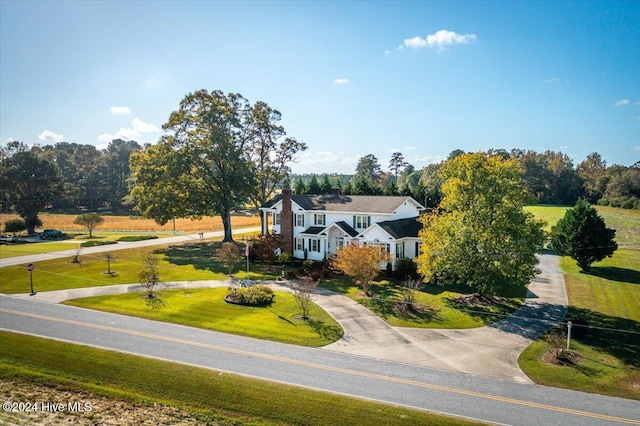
[362, 263]
[480, 236]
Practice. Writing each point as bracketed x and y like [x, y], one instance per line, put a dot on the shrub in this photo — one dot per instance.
[257, 295]
[285, 258]
[406, 268]
[133, 238]
[15, 226]
[97, 243]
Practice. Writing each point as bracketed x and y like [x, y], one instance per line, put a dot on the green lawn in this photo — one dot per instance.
[206, 308]
[435, 305]
[225, 399]
[608, 300]
[187, 262]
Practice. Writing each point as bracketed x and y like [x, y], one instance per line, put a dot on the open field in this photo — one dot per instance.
[139, 223]
[132, 384]
[206, 308]
[625, 222]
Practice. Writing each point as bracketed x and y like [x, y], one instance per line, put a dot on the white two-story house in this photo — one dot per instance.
[315, 226]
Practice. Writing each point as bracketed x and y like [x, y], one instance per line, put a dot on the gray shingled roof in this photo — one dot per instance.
[344, 203]
[347, 228]
[402, 228]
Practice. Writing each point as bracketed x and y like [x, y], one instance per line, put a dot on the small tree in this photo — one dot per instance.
[149, 279]
[15, 226]
[303, 293]
[362, 263]
[409, 289]
[229, 255]
[583, 235]
[90, 221]
[109, 258]
[77, 254]
[267, 247]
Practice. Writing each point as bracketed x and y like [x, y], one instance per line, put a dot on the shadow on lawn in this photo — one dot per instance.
[615, 273]
[200, 256]
[619, 337]
[328, 332]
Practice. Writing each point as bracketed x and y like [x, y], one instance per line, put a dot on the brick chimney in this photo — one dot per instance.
[286, 222]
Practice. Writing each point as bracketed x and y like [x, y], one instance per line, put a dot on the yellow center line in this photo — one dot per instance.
[333, 369]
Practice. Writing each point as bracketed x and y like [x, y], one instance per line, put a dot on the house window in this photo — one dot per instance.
[299, 244]
[276, 218]
[319, 219]
[399, 250]
[361, 222]
[417, 249]
[300, 220]
[314, 244]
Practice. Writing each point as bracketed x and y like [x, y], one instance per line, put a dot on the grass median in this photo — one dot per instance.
[205, 308]
[225, 398]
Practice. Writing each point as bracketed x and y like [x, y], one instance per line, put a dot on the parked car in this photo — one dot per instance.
[51, 234]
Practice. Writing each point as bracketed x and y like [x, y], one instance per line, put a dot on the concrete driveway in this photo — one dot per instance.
[488, 351]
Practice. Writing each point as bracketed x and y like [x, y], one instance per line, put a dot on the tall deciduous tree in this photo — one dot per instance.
[29, 183]
[396, 164]
[592, 171]
[161, 182]
[368, 168]
[583, 235]
[480, 236]
[209, 147]
[270, 151]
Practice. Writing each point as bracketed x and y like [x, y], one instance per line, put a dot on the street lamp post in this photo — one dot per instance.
[30, 268]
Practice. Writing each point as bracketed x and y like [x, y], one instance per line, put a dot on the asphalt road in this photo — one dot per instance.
[460, 394]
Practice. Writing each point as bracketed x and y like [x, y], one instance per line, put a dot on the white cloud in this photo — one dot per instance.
[552, 80]
[637, 147]
[637, 102]
[153, 82]
[439, 40]
[622, 102]
[142, 127]
[138, 127]
[48, 135]
[119, 110]
[341, 81]
[325, 162]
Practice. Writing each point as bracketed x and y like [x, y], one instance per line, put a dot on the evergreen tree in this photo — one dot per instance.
[313, 187]
[299, 188]
[583, 235]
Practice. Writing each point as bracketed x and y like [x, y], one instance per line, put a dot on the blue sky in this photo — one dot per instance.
[350, 78]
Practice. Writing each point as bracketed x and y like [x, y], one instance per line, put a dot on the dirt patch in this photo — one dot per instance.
[406, 309]
[476, 300]
[84, 408]
[562, 358]
[45, 405]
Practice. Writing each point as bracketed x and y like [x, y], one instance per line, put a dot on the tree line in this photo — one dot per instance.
[221, 152]
[549, 178]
